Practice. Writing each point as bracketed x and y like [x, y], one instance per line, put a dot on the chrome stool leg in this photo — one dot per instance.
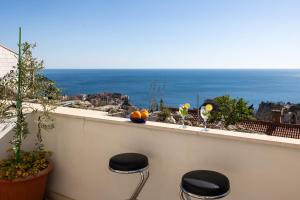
[184, 196]
[131, 163]
[181, 195]
[187, 197]
[144, 177]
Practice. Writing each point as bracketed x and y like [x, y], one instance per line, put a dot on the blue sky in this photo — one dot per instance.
[157, 33]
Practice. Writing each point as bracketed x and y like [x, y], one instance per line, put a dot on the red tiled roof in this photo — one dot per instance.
[274, 129]
[268, 128]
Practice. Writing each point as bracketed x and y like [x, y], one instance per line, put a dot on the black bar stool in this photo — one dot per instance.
[204, 184]
[130, 163]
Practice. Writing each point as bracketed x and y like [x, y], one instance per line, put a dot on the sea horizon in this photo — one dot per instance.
[178, 86]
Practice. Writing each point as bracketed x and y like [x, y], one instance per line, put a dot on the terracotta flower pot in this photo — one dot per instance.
[29, 188]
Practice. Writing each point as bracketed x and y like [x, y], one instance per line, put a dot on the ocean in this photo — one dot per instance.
[178, 86]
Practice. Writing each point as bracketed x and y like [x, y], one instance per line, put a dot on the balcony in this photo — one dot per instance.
[259, 167]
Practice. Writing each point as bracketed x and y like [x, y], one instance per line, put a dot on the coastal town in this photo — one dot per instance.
[284, 113]
[270, 118]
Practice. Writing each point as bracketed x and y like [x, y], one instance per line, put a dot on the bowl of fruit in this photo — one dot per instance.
[139, 116]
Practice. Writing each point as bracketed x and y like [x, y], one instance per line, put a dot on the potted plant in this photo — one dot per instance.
[23, 175]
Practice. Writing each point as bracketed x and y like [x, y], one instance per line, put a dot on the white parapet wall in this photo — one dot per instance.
[259, 167]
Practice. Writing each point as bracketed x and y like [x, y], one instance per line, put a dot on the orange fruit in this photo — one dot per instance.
[135, 115]
[144, 114]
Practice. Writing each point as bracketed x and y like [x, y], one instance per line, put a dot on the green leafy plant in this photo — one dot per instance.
[164, 114]
[26, 84]
[231, 110]
[30, 164]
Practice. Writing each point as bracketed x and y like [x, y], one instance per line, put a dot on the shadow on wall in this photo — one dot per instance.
[6, 134]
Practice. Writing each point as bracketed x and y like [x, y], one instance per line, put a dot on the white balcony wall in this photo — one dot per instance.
[259, 167]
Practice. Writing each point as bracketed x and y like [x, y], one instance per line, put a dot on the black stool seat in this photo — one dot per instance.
[128, 162]
[205, 183]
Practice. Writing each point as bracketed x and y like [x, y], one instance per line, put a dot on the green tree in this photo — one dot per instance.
[231, 110]
[26, 83]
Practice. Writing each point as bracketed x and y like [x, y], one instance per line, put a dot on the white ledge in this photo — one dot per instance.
[229, 135]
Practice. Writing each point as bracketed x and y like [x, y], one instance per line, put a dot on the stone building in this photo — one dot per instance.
[284, 113]
[293, 114]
